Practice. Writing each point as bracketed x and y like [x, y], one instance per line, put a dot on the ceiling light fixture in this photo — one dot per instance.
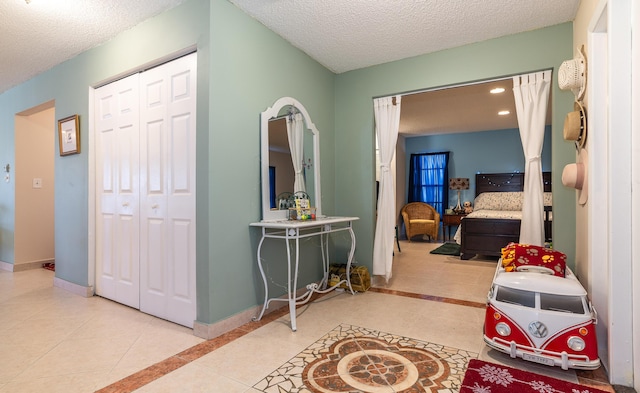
[497, 90]
[503, 113]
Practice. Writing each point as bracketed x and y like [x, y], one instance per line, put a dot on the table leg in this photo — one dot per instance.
[292, 282]
[351, 252]
[324, 249]
[264, 279]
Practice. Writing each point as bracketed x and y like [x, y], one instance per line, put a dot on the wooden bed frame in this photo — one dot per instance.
[487, 236]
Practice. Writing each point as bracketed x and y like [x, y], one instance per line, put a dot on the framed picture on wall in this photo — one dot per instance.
[69, 135]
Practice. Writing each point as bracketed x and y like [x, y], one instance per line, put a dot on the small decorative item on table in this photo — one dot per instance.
[302, 211]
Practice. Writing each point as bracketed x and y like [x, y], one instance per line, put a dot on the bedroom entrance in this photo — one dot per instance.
[464, 120]
[454, 120]
[145, 190]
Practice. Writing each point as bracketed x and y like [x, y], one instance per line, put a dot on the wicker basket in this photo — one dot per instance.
[360, 278]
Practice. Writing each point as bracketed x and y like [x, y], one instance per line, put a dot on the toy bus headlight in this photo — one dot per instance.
[503, 329]
[576, 343]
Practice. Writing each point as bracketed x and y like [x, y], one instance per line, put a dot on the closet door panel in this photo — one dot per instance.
[180, 278]
[181, 152]
[153, 139]
[181, 199]
[154, 277]
[167, 118]
[117, 206]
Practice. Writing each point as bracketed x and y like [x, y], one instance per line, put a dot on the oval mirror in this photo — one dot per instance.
[290, 158]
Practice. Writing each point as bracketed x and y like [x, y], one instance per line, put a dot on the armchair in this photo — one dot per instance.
[420, 219]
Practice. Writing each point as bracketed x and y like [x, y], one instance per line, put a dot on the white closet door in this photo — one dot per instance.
[117, 191]
[167, 189]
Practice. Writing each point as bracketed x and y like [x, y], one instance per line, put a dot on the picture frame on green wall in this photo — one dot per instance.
[69, 135]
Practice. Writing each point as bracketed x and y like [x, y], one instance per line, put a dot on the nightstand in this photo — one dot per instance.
[449, 220]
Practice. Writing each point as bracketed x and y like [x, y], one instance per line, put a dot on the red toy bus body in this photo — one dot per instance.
[541, 318]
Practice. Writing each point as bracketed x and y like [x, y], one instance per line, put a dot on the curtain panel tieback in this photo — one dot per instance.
[534, 158]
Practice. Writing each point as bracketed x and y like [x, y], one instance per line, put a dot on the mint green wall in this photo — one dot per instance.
[68, 84]
[251, 67]
[514, 54]
[476, 152]
[242, 69]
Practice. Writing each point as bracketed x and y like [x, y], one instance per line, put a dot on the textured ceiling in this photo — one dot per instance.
[37, 36]
[344, 35]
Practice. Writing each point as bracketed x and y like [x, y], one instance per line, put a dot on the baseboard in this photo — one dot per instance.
[72, 287]
[20, 267]
[213, 330]
[6, 266]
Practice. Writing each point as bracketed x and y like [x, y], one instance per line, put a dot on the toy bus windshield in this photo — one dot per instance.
[516, 296]
[562, 303]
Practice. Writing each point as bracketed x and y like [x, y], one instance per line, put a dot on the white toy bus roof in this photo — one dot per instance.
[540, 282]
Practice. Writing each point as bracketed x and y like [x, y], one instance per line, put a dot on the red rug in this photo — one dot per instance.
[483, 377]
[49, 266]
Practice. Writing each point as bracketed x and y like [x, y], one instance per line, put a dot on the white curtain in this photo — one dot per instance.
[531, 94]
[387, 117]
[295, 133]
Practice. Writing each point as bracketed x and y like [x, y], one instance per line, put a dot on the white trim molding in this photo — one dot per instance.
[72, 287]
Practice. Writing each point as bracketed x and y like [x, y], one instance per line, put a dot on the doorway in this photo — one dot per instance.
[34, 187]
[465, 121]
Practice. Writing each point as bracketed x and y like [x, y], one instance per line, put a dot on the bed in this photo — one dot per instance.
[495, 221]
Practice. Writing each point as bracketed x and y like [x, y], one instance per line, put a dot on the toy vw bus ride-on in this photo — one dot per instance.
[542, 318]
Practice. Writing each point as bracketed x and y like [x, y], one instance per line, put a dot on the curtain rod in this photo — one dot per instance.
[462, 84]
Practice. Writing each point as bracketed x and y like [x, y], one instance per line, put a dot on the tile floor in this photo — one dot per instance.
[425, 321]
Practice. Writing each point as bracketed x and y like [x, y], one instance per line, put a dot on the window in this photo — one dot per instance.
[428, 174]
[272, 186]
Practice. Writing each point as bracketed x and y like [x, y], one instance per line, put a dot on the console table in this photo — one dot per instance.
[291, 232]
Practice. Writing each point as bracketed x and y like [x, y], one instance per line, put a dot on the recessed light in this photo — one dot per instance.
[503, 113]
[497, 90]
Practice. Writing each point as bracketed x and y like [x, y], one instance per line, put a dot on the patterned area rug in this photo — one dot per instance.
[356, 359]
[483, 377]
[49, 266]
